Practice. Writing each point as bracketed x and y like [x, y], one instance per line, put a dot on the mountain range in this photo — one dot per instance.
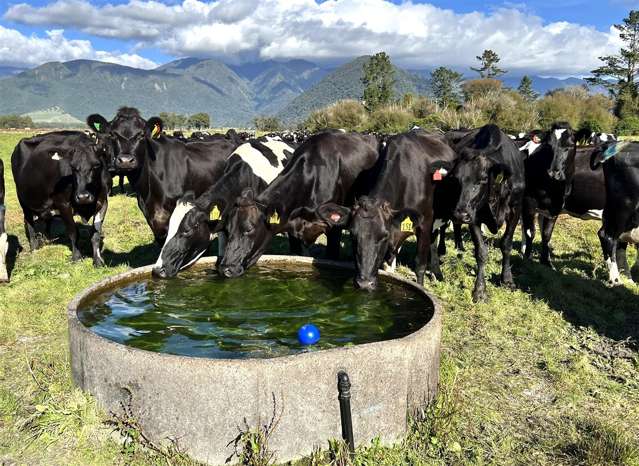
[233, 95]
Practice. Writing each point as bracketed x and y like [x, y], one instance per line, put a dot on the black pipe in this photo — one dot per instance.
[344, 389]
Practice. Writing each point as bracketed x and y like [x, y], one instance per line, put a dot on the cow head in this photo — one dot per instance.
[250, 226]
[562, 141]
[190, 232]
[375, 233]
[85, 163]
[126, 135]
[483, 179]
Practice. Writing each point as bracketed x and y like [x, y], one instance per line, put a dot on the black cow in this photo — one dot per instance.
[253, 165]
[621, 211]
[412, 194]
[330, 167]
[162, 169]
[490, 171]
[549, 166]
[62, 173]
[4, 241]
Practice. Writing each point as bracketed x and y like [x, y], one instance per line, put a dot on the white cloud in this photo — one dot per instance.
[17, 49]
[415, 35]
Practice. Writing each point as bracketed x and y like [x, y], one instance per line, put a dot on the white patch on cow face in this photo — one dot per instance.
[603, 137]
[56, 157]
[531, 147]
[259, 164]
[181, 209]
[4, 247]
[559, 133]
[613, 272]
[631, 236]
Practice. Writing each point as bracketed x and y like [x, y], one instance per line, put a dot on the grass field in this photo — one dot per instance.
[547, 374]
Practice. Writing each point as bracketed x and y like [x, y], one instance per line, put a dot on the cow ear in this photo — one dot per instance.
[98, 123]
[188, 197]
[154, 127]
[334, 214]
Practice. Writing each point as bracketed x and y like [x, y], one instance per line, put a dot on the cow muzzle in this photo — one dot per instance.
[231, 271]
[84, 198]
[462, 215]
[366, 284]
[126, 162]
[556, 174]
[159, 272]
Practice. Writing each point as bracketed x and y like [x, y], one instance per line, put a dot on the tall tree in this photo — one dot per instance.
[378, 80]
[489, 68]
[445, 85]
[618, 72]
[526, 90]
[200, 120]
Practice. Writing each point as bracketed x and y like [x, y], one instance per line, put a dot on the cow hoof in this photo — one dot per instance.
[510, 284]
[97, 263]
[76, 257]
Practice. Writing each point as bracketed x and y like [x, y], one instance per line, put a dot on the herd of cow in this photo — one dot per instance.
[381, 188]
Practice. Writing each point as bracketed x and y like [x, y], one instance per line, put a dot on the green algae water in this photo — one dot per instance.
[254, 316]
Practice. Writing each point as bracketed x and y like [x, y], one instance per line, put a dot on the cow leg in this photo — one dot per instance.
[528, 229]
[433, 256]
[334, 238]
[457, 233]
[424, 234]
[622, 259]
[547, 225]
[609, 250]
[221, 243]
[441, 248]
[4, 247]
[66, 213]
[121, 184]
[506, 245]
[96, 237]
[481, 256]
[295, 245]
[31, 232]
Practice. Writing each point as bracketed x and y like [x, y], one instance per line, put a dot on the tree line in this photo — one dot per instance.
[455, 102]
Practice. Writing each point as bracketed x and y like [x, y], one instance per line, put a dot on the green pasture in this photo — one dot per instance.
[546, 374]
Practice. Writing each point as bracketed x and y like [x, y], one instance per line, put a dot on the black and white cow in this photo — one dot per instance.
[621, 211]
[62, 174]
[162, 169]
[490, 171]
[411, 195]
[549, 165]
[253, 165]
[330, 167]
[4, 240]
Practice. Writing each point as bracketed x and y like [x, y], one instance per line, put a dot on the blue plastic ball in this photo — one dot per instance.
[308, 334]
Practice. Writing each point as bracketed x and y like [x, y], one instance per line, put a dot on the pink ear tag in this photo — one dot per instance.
[437, 176]
[335, 217]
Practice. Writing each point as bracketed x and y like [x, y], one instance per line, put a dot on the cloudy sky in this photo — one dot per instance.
[547, 37]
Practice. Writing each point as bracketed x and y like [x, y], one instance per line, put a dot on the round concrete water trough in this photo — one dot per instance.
[202, 403]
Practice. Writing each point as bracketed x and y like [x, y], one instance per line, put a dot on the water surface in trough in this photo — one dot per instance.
[254, 316]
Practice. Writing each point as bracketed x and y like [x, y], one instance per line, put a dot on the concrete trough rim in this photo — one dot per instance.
[73, 320]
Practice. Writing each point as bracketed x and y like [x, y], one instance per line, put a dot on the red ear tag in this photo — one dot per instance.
[335, 217]
[437, 176]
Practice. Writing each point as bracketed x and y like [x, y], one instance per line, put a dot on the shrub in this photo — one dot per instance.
[267, 123]
[391, 119]
[480, 87]
[628, 126]
[344, 114]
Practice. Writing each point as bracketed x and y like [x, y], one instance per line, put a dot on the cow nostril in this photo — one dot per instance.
[365, 284]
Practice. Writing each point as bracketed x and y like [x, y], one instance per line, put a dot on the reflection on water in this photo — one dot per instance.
[256, 316]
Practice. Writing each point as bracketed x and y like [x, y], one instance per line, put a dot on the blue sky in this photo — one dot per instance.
[560, 37]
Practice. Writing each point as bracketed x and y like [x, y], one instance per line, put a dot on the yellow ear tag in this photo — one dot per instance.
[275, 219]
[156, 131]
[215, 214]
[407, 225]
[499, 178]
